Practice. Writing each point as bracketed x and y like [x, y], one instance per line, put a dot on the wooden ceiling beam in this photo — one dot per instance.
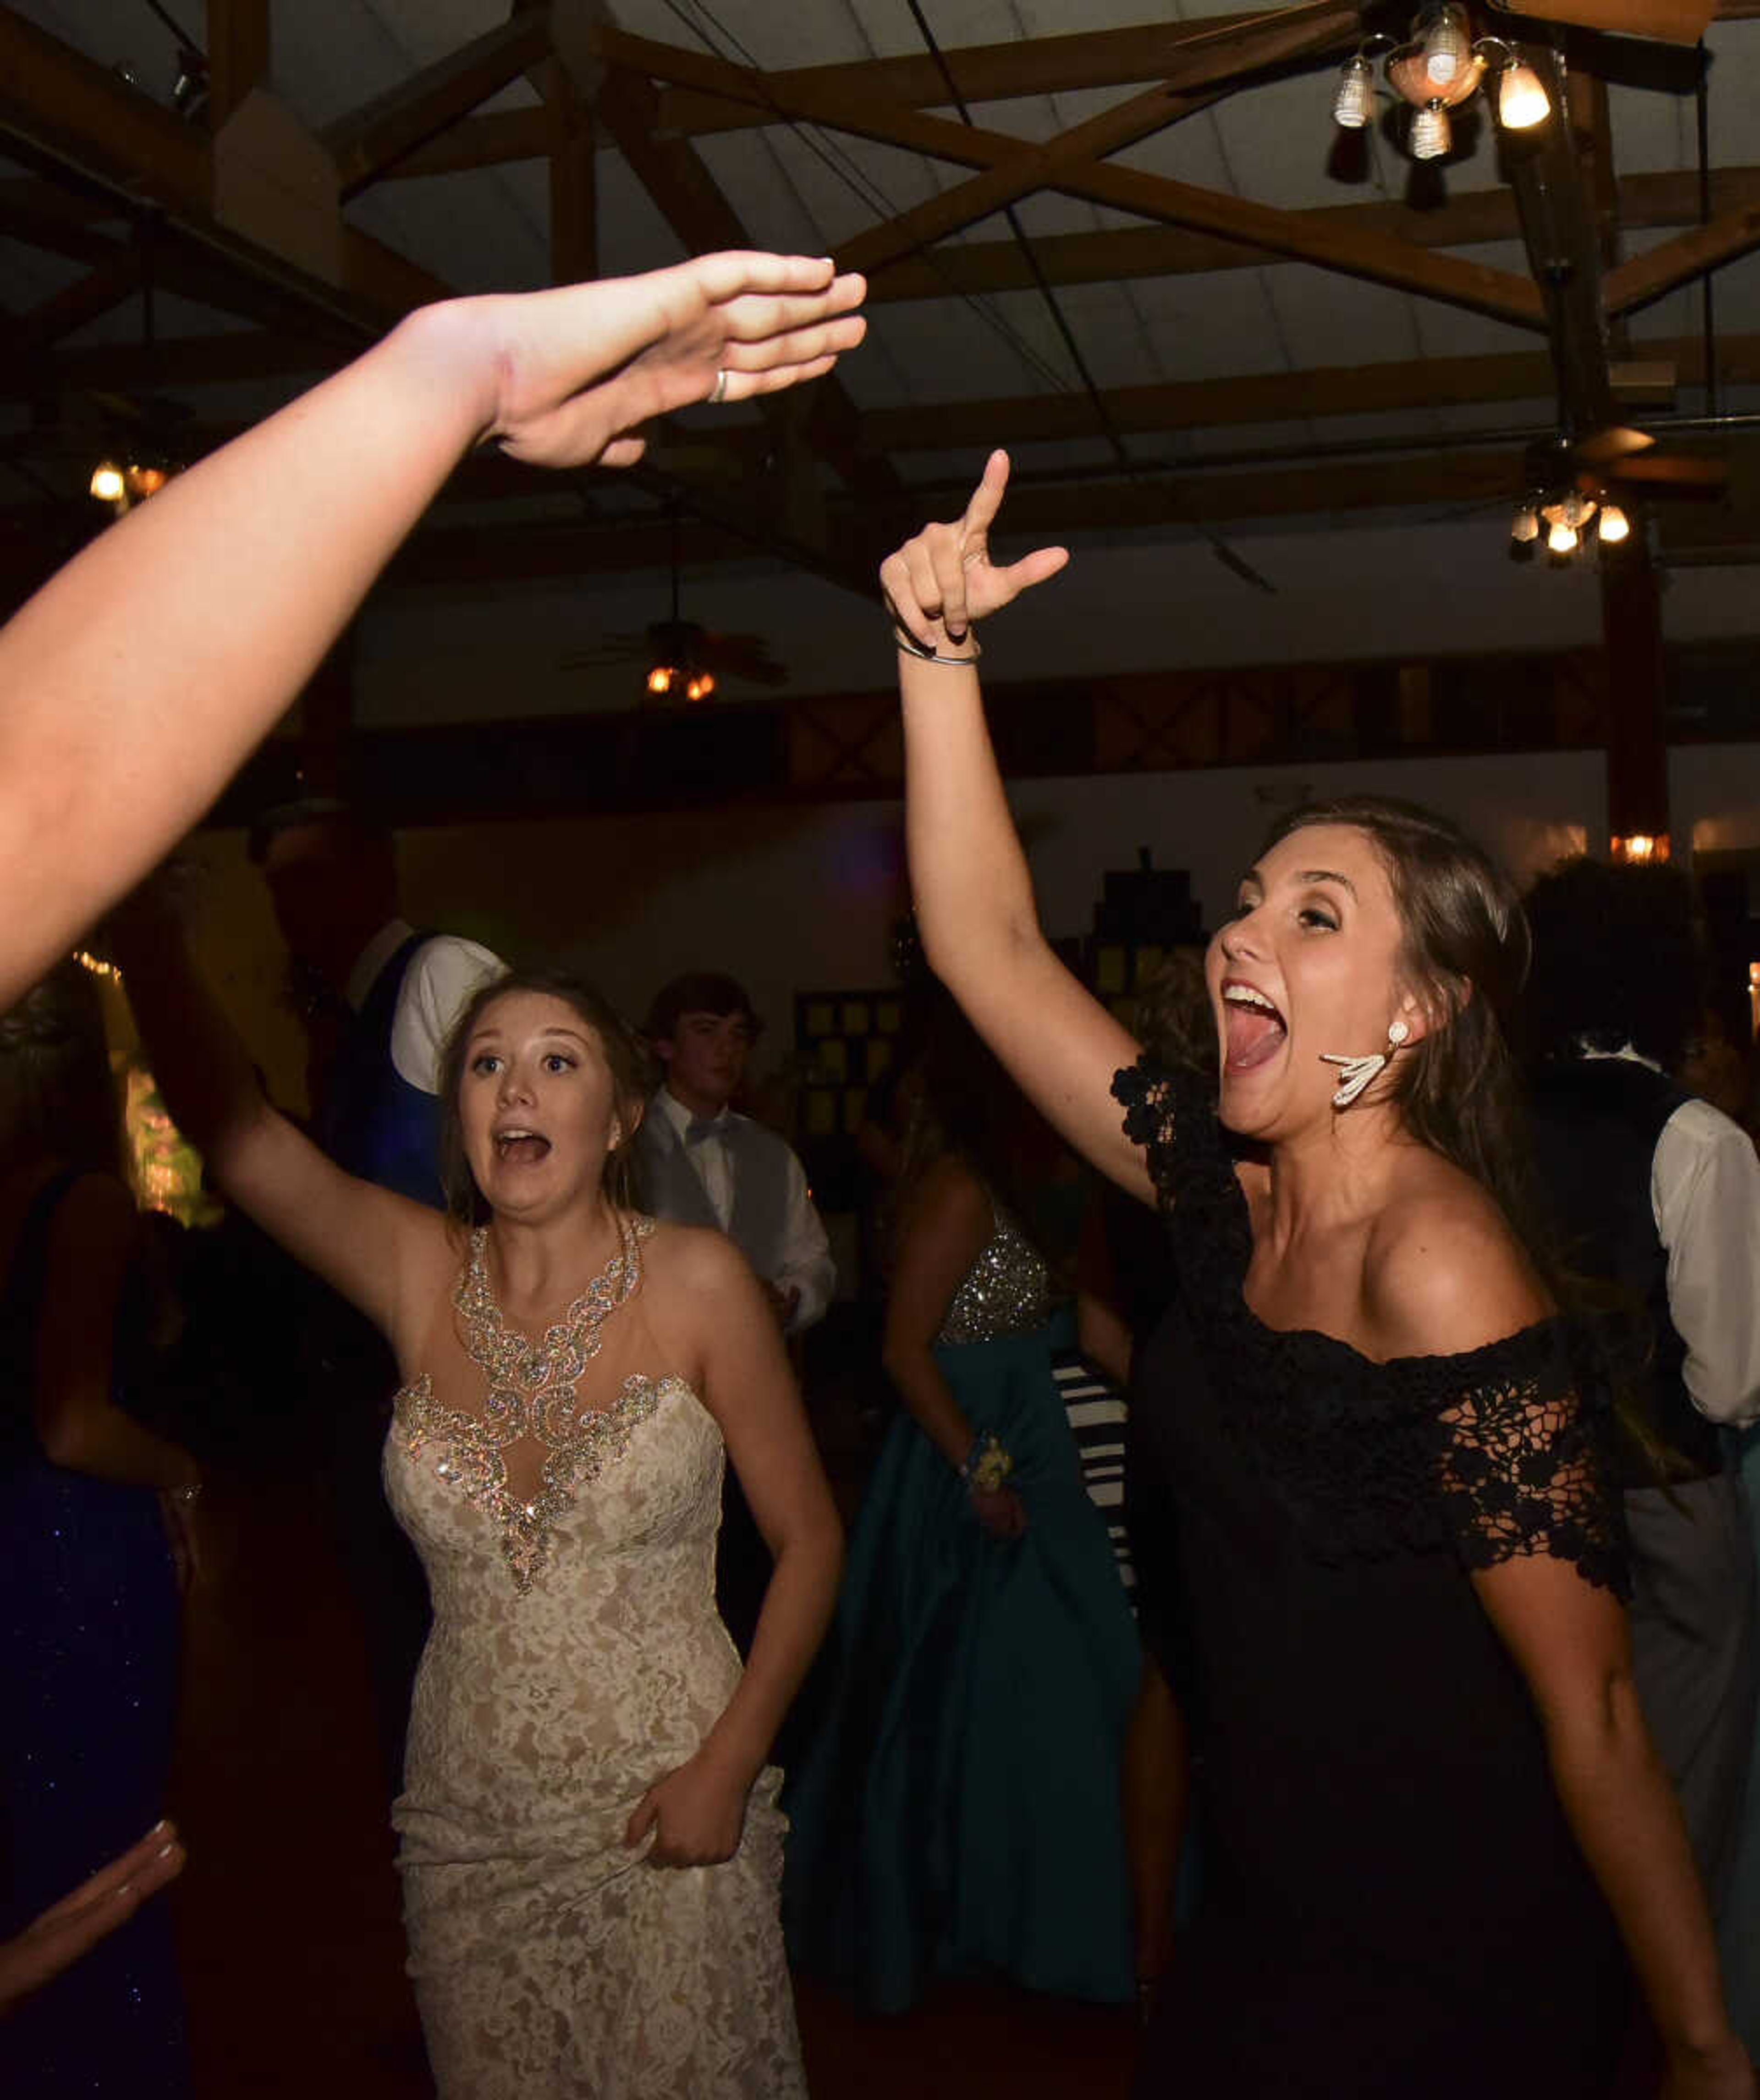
[63, 222]
[100, 292]
[1262, 398]
[477, 142]
[238, 54]
[983, 73]
[1273, 397]
[674, 175]
[201, 360]
[1012, 170]
[1641, 279]
[455, 556]
[986, 73]
[1010, 167]
[1549, 178]
[574, 177]
[371, 139]
[67, 110]
[1105, 257]
[58, 100]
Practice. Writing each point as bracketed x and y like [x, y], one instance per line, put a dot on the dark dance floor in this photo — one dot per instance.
[288, 1912]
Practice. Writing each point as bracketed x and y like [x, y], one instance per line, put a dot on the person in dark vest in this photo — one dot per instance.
[698, 1163]
[1657, 1193]
[380, 999]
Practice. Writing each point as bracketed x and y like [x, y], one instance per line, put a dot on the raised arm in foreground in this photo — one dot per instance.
[136, 679]
[974, 898]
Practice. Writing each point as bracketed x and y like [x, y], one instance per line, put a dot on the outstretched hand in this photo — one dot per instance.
[579, 369]
[63, 1932]
[939, 582]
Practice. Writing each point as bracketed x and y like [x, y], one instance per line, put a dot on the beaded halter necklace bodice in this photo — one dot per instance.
[532, 1398]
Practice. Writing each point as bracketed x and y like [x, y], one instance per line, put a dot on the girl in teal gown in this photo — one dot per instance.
[956, 1811]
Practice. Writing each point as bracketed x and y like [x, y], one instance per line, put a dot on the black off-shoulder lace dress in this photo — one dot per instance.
[1394, 1905]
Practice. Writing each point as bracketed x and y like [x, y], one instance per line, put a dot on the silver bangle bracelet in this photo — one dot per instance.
[911, 647]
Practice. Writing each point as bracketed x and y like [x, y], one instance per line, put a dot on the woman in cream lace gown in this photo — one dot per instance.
[591, 1849]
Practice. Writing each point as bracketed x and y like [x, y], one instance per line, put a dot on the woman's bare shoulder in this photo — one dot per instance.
[1443, 1271]
[680, 1261]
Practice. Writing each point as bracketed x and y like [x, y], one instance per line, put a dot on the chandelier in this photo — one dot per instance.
[1438, 68]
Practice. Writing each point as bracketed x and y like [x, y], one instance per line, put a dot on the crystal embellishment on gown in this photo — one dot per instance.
[532, 1397]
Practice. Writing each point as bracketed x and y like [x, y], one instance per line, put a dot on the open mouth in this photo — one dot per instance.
[1253, 1030]
[520, 1147]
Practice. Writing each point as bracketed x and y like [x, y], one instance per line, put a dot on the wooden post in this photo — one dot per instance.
[238, 54]
[1631, 626]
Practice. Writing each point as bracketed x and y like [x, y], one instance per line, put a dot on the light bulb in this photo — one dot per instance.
[1525, 526]
[1615, 525]
[1522, 102]
[1353, 105]
[700, 686]
[107, 483]
[1431, 136]
[1577, 509]
[660, 678]
[1447, 46]
[1561, 539]
[147, 480]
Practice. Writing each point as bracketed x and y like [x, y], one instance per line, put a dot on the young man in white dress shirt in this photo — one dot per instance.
[700, 1163]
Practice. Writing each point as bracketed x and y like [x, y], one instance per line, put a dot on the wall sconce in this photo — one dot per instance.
[1641, 848]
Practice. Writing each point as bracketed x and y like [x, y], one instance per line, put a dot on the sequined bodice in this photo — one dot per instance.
[533, 1401]
[1006, 1290]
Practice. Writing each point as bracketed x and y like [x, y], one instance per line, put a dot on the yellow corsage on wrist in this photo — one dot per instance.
[988, 1465]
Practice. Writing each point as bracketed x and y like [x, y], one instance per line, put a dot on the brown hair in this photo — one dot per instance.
[699, 991]
[1465, 954]
[1172, 1016]
[632, 1081]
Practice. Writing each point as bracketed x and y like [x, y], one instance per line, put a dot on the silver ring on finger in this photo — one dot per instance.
[720, 394]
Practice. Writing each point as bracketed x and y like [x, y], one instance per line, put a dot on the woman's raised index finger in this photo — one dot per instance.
[986, 498]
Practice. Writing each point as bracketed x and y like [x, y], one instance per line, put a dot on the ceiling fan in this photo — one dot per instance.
[686, 662]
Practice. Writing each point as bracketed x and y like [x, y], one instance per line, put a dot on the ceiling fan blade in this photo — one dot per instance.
[1618, 442]
[743, 656]
[1671, 21]
[1678, 474]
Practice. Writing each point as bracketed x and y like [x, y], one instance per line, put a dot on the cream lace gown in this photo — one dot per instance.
[575, 1657]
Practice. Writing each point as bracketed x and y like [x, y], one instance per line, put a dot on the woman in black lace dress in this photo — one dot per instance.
[1438, 1831]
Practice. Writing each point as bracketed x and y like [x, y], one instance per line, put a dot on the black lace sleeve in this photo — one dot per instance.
[1524, 1465]
[1147, 1093]
[1172, 1115]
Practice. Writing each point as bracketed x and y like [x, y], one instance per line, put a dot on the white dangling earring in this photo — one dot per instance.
[616, 1137]
[1356, 1073]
